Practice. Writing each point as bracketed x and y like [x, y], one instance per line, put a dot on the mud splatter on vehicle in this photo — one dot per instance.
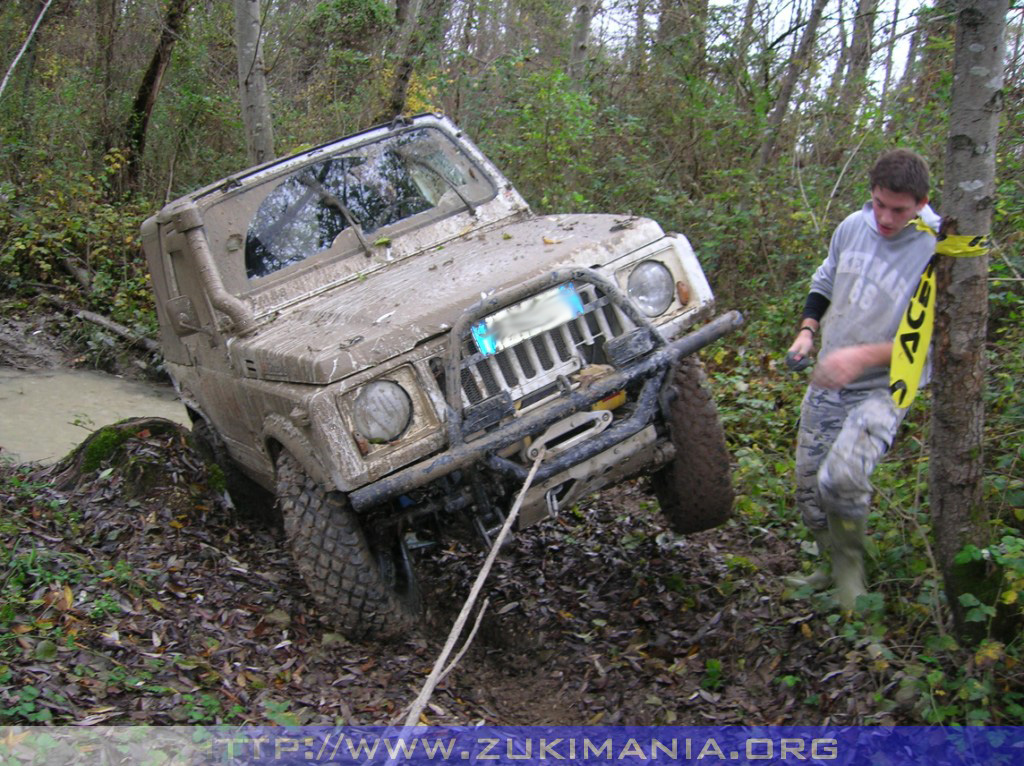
[381, 332]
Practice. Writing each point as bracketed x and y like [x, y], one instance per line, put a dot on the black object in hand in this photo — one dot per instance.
[797, 364]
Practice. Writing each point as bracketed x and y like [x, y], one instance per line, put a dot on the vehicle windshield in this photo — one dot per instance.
[366, 189]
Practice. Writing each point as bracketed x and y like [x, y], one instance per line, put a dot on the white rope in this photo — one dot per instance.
[436, 674]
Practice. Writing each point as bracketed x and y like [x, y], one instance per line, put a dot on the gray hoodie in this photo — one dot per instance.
[869, 280]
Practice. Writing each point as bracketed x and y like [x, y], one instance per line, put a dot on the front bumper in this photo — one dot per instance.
[651, 370]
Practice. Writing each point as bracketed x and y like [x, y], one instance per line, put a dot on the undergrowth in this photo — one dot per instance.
[904, 625]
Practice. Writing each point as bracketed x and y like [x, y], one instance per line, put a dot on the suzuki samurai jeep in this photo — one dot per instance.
[380, 332]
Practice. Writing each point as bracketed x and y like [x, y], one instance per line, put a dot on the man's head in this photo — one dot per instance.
[899, 189]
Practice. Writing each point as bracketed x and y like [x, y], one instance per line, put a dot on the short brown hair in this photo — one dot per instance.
[901, 171]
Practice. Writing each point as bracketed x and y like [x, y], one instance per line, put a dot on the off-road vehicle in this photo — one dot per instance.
[381, 332]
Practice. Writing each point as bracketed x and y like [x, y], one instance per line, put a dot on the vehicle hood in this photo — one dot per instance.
[365, 322]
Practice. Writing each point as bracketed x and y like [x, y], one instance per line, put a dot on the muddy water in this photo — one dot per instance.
[43, 415]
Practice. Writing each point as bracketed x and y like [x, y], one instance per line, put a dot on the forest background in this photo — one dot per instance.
[747, 125]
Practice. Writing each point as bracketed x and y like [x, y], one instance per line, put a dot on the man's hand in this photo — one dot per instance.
[844, 365]
[798, 357]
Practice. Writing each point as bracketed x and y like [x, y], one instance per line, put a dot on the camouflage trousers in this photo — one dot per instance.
[842, 436]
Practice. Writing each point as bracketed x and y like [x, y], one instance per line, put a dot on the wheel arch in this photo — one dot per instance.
[281, 435]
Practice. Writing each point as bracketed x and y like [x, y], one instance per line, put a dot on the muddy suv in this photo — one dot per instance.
[380, 332]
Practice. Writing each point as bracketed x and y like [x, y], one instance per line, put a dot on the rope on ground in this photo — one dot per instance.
[412, 719]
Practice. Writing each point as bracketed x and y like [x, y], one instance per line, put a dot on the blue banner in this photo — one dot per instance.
[621, 746]
[511, 746]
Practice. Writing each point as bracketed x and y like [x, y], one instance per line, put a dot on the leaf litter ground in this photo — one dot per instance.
[144, 597]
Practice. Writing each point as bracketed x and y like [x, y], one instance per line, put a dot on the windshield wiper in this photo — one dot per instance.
[447, 182]
[310, 181]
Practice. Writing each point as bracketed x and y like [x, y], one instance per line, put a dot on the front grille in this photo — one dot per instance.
[536, 363]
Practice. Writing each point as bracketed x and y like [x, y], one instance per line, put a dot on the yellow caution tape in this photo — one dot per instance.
[961, 246]
[914, 336]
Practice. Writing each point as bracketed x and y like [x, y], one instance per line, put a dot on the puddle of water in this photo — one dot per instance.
[44, 415]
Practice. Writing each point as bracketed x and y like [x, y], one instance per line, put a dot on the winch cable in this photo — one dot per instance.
[440, 670]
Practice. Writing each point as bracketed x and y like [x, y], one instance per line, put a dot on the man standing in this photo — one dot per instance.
[848, 418]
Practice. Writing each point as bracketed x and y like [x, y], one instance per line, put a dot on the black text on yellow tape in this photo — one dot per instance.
[914, 335]
[912, 340]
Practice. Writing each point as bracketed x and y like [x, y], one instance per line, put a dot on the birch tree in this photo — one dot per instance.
[958, 510]
[252, 82]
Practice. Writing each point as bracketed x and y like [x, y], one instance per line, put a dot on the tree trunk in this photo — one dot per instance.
[842, 58]
[106, 35]
[797, 65]
[739, 58]
[682, 32]
[933, 63]
[428, 31]
[149, 89]
[252, 82]
[861, 45]
[903, 95]
[580, 39]
[959, 514]
[854, 85]
[638, 58]
[890, 49]
[28, 45]
[1016, 58]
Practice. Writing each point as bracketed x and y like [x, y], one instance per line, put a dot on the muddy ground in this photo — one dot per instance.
[185, 611]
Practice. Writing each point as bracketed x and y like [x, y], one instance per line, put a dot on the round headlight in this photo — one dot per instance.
[382, 411]
[651, 286]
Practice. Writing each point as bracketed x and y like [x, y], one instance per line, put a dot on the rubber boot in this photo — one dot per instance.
[821, 577]
[847, 559]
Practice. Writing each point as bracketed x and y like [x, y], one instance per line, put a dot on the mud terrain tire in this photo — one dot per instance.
[695, 488]
[363, 592]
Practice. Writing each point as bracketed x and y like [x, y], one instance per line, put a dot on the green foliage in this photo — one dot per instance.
[667, 131]
[937, 678]
[712, 674]
[347, 25]
[56, 603]
[66, 228]
[548, 129]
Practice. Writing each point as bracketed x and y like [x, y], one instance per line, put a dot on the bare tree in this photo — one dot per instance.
[149, 89]
[580, 43]
[890, 49]
[106, 36]
[903, 92]
[958, 511]
[427, 31]
[640, 46]
[797, 65]
[252, 82]
[854, 83]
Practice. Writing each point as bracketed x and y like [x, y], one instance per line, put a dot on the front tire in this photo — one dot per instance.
[694, 489]
[366, 590]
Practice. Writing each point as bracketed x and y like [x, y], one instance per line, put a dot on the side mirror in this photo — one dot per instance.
[182, 315]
